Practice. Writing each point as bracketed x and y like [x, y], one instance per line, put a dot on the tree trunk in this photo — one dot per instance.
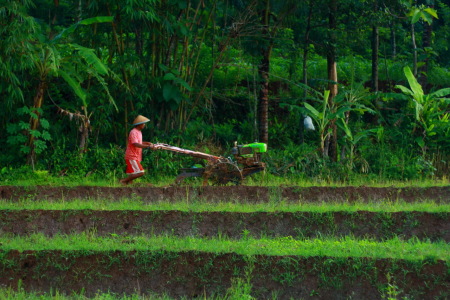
[263, 72]
[34, 121]
[263, 107]
[118, 38]
[393, 41]
[332, 76]
[84, 137]
[139, 41]
[375, 46]
[426, 44]
[305, 65]
[84, 129]
[413, 38]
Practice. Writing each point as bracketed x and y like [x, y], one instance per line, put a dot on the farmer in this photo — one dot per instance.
[133, 154]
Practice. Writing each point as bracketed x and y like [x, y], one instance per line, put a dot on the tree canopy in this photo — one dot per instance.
[372, 74]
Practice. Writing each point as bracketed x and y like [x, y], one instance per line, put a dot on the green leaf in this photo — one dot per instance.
[441, 93]
[24, 149]
[181, 4]
[44, 123]
[342, 110]
[432, 12]
[312, 110]
[183, 83]
[164, 68]
[365, 133]
[415, 86]
[89, 21]
[24, 125]
[39, 146]
[293, 108]
[405, 90]
[89, 56]
[21, 139]
[34, 115]
[75, 86]
[418, 108]
[184, 30]
[12, 128]
[23, 110]
[99, 19]
[169, 92]
[326, 96]
[35, 133]
[12, 140]
[341, 123]
[46, 136]
[415, 15]
[420, 142]
[169, 76]
[427, 17]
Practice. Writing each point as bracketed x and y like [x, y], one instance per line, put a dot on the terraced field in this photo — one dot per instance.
[227, 242]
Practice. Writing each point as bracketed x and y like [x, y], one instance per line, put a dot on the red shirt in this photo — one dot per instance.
[132, 152]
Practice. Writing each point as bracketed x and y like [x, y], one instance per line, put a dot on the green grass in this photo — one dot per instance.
[21, 294]
[195, 205]
[272, 180]
[111, 179]
[343, 247]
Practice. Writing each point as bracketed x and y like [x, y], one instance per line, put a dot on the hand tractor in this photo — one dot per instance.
[221, 170]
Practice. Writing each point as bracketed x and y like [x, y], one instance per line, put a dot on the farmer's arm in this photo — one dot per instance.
[144, 145]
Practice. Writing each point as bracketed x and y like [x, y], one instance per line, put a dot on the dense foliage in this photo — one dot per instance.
[74, 74]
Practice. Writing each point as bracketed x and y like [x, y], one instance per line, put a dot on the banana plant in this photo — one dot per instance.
[325, 113]
[324, 116]
[430, 110]
[56, 57]
[354, 138]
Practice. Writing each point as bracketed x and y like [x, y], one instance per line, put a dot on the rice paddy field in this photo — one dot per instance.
[239, 242]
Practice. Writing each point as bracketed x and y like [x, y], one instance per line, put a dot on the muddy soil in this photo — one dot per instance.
[250, 194]
[198, 275]
[361, 224]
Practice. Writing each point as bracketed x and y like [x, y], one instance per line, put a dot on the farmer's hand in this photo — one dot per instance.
[147, 144]
[151, 145]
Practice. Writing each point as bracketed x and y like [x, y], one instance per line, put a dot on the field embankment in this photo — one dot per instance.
[225, 193]
[201, 242]
[195, 274]
[359, 224]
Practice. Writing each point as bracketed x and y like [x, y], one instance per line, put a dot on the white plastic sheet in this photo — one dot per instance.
[308, 123]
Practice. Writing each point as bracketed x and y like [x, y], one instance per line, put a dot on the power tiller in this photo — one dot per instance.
[221, 170]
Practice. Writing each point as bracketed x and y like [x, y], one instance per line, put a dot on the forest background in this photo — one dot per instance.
[373, 76]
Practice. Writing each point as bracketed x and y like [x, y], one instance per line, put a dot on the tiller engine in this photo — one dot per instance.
[221, 170]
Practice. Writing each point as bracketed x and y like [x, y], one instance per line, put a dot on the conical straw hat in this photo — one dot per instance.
[140, 120]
